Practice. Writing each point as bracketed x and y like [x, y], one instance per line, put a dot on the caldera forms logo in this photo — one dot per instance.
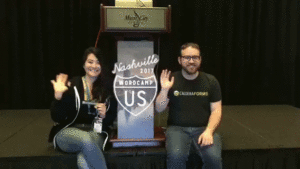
[176, 93]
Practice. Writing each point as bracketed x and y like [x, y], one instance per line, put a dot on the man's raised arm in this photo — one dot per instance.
[162, 99]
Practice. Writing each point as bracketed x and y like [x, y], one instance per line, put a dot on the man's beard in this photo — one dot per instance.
[186, 69]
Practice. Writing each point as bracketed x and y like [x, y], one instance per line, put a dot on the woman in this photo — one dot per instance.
[74, 131]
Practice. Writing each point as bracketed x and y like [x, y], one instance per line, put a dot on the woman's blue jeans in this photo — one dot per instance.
[87, 145]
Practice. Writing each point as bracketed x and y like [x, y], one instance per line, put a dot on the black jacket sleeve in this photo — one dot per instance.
[111, 114]
[62, 110]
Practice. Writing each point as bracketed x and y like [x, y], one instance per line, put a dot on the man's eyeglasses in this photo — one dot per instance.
[188, 58]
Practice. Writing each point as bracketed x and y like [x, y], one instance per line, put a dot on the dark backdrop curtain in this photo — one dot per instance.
[251, 46]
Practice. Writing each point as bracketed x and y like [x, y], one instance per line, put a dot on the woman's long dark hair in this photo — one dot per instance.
[100, 90]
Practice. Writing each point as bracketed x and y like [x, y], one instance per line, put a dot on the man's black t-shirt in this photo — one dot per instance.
[190, 100]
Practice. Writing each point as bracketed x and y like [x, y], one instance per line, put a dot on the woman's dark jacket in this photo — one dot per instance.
[70, 110]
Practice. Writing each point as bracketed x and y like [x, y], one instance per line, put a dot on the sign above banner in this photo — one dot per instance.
[134, 3]
[129, 19]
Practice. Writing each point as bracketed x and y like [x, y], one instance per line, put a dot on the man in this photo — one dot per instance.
[195, 110]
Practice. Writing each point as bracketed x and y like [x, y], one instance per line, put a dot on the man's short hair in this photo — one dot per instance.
[189, 44]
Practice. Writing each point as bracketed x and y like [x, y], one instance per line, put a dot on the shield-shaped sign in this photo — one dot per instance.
[135, 94]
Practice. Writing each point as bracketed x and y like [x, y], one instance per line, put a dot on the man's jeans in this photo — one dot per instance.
[178, 142]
